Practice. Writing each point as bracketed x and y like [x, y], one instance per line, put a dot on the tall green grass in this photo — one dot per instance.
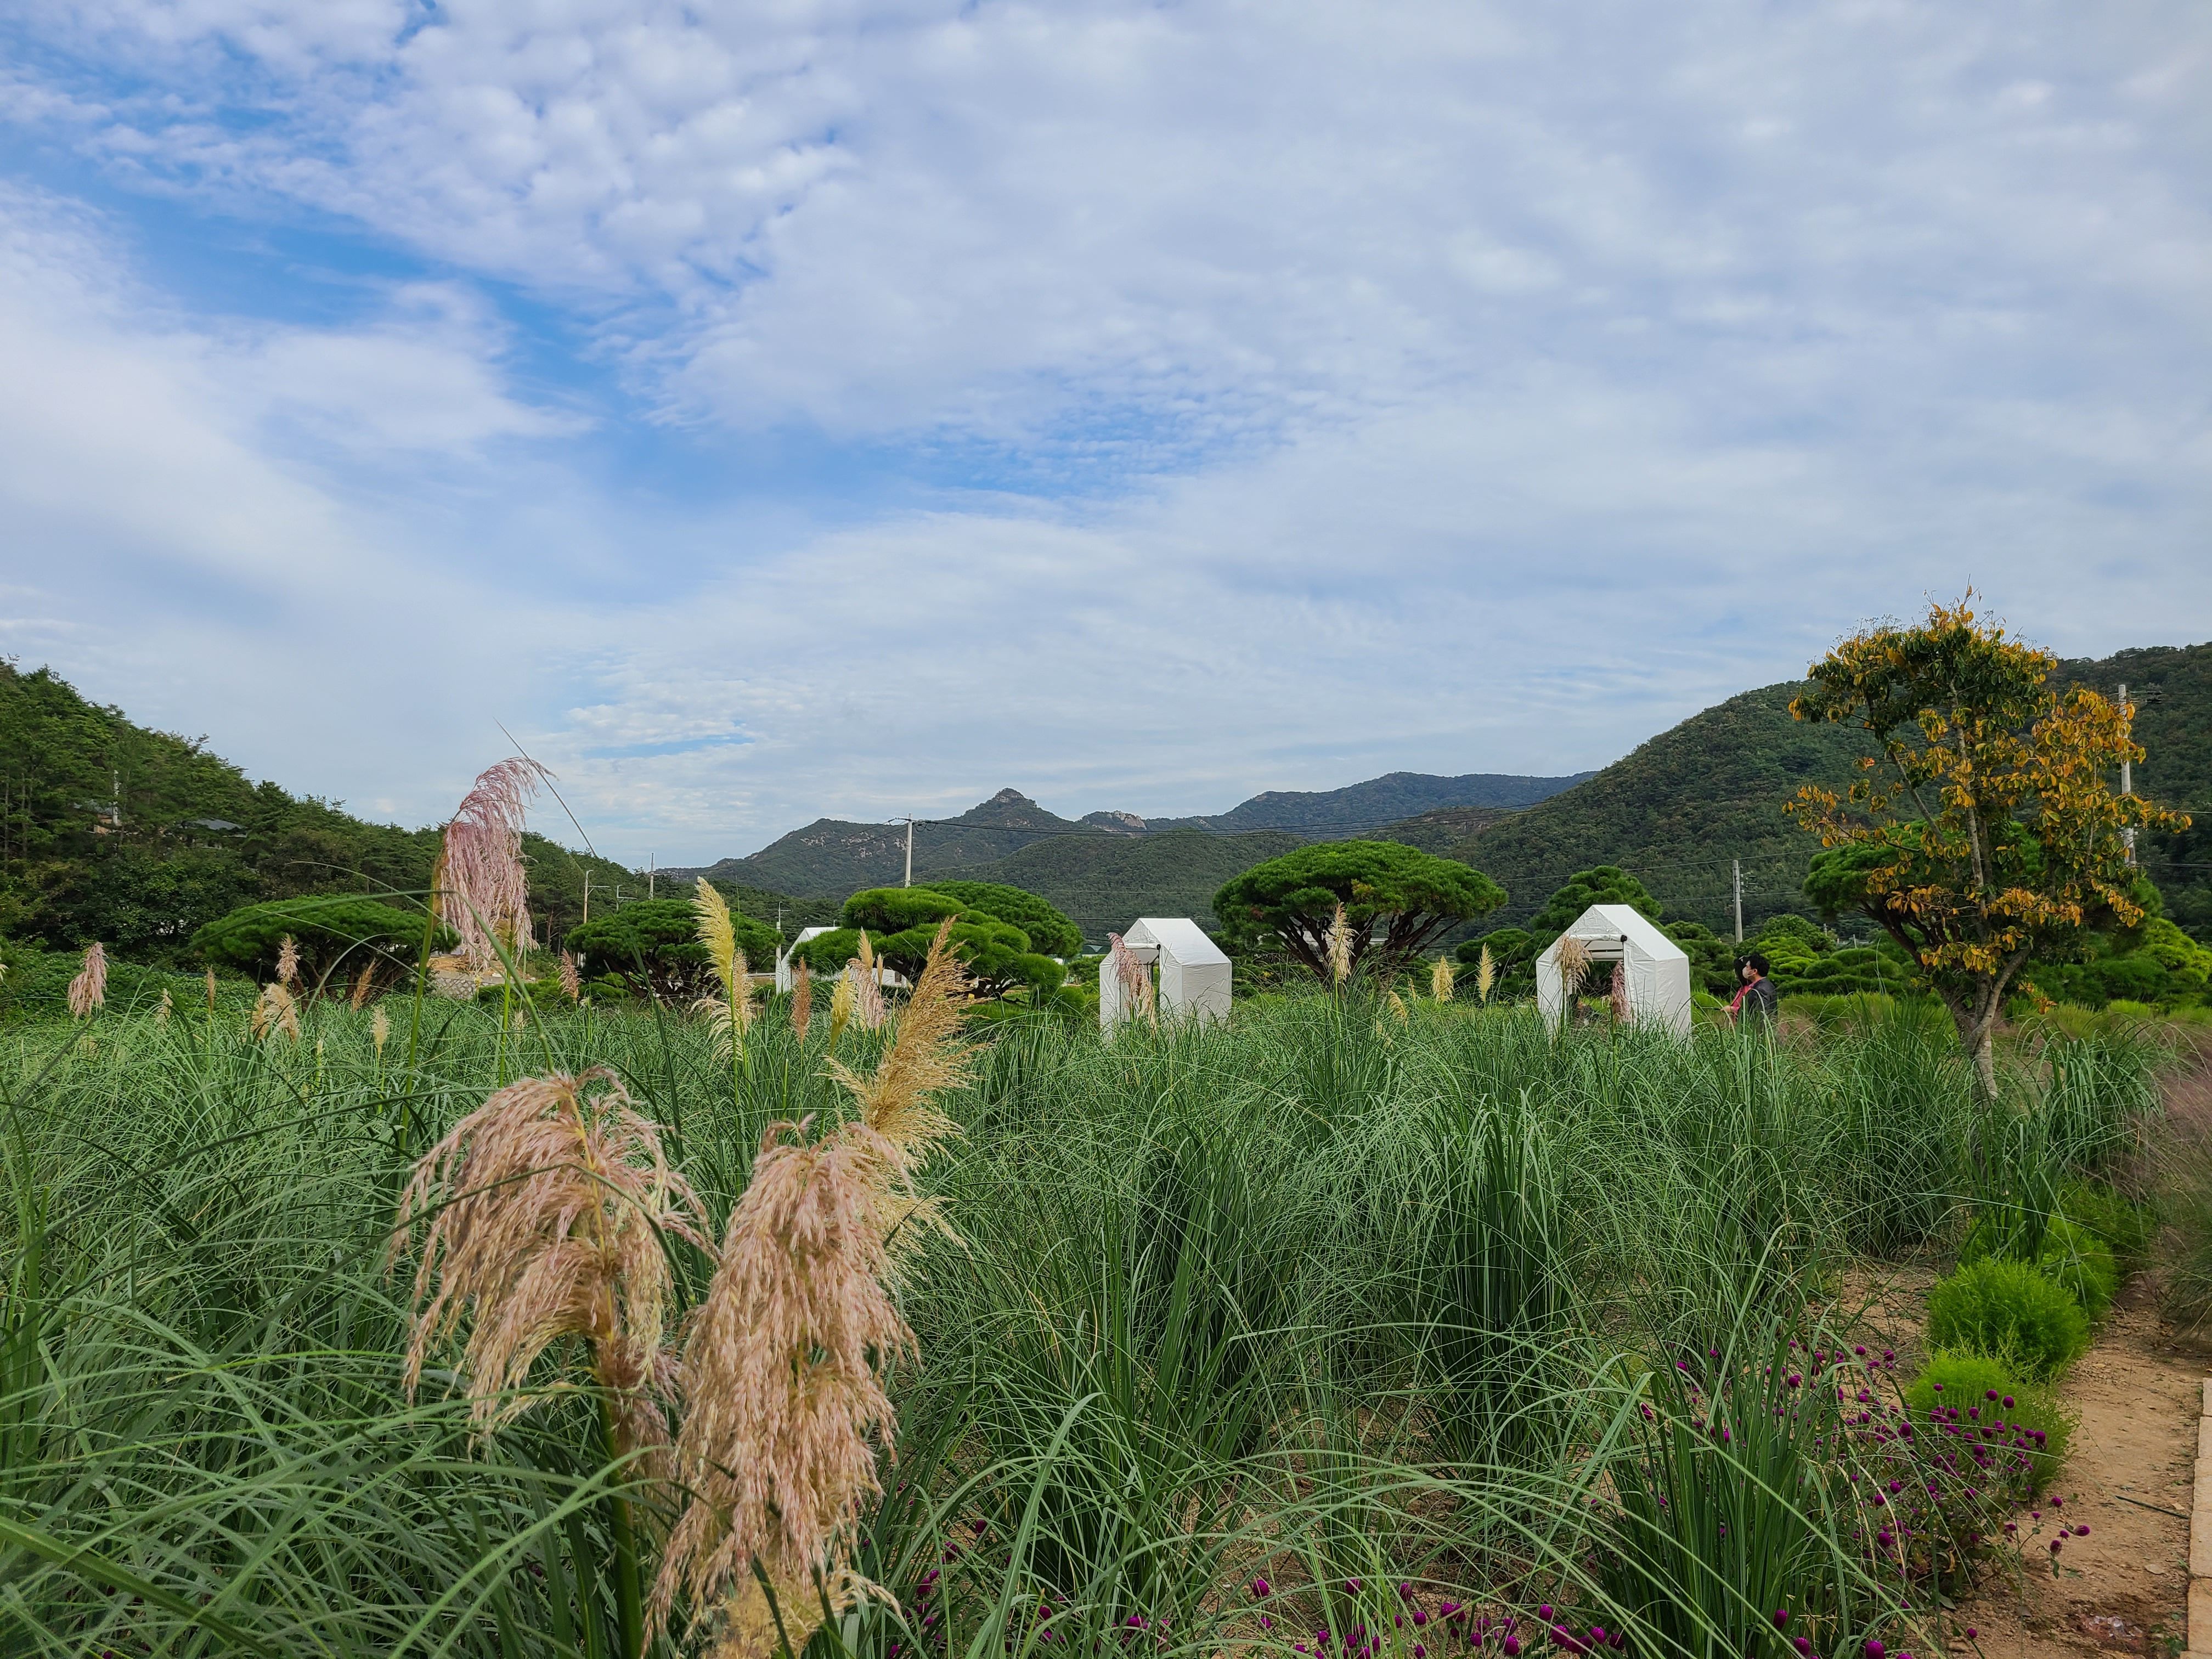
[1325, 1296]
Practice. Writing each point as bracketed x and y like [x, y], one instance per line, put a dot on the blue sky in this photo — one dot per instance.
[854, 407]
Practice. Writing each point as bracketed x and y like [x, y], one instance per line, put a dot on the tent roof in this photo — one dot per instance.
[1179, 936]
[1623, 921]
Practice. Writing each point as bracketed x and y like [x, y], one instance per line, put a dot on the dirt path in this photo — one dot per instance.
[2124, 1587]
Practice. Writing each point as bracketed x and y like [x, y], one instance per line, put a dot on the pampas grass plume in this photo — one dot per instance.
[288, 961]
[88, 990]
[1339, 940]
[1486, 974]
[572, 981]
[1572, 958]
[785, 1399]
[482, 891]
[380, 1031]
[275, 1010]
[364, 983]
[841, 1006]
[1440, 980]
[802, 998]
[543, 1213]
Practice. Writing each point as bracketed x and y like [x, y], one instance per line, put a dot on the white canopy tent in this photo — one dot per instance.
[783, 961]
[1193, 973]
[1657, 969]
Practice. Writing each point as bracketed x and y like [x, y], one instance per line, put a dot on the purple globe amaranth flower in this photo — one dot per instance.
[1875, 1649]
[1781, 1617]
[1512, 1646]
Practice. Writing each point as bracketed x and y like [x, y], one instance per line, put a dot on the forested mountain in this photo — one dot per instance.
[835, 856]
[1363, 809]
[111, 831]
[1679, 809]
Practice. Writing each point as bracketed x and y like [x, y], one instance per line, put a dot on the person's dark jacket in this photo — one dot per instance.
[1760, 1001]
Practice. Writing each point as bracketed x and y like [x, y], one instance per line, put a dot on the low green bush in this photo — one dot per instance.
[2126, 1225]
[2083, 1262]
[2000, 1400]
[2009, 1309]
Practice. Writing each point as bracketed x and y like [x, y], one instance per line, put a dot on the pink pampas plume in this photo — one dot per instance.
[88, 990]
[482, 892]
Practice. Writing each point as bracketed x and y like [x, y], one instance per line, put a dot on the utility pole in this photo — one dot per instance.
[1738, 899]
[2127, 772]
[652, 872]
[909, 852]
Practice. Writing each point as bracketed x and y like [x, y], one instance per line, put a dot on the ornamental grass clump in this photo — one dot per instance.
[2009, 1309]
[544, 1214]
[784, 1367]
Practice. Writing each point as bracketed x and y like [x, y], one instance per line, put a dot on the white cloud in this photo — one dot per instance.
[1458, 388]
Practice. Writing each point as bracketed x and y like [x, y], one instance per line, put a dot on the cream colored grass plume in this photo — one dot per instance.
[1572, 958]
[1339, 940]
[542, 1212]
[785, 1404]
[867, 986]
[732, 1014]
[275, 1012]
[572, 981]
[88, 990]
[1440, 980]
[288, 961]
[802, 998]
[1486, 974]
[482, 891]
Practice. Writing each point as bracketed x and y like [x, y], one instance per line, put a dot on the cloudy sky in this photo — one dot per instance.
[854, 406]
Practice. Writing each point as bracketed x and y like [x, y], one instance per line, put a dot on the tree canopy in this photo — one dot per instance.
[1051, 930]
[1396, 900]
[1985, 831]
[1603, 884]
[901, 921]
[653, 946]
[336, 938]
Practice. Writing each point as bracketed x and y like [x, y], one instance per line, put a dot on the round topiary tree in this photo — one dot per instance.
[1395, 898]
[336, 938]
[901, 921]
[1602, 884]
[1052, 931]
[653, 946]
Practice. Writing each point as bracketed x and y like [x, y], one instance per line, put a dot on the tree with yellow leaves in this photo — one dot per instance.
[1986, 831]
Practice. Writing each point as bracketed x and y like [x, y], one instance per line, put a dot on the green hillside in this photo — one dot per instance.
[1711, 790]
[1105, 888]
[1362, 809]
[111, 831]
[1443, 828]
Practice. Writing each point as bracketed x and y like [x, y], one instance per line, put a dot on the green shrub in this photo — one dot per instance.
[336, 938]
[1972, 1383]
[2126, 1226]
[652, 945]
[2083, 1262]
[2010, 1310]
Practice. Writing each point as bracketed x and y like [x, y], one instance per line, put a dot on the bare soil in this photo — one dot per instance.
[2128, 1475]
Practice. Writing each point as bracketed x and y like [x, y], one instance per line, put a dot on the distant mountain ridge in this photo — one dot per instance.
[1087, 866]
